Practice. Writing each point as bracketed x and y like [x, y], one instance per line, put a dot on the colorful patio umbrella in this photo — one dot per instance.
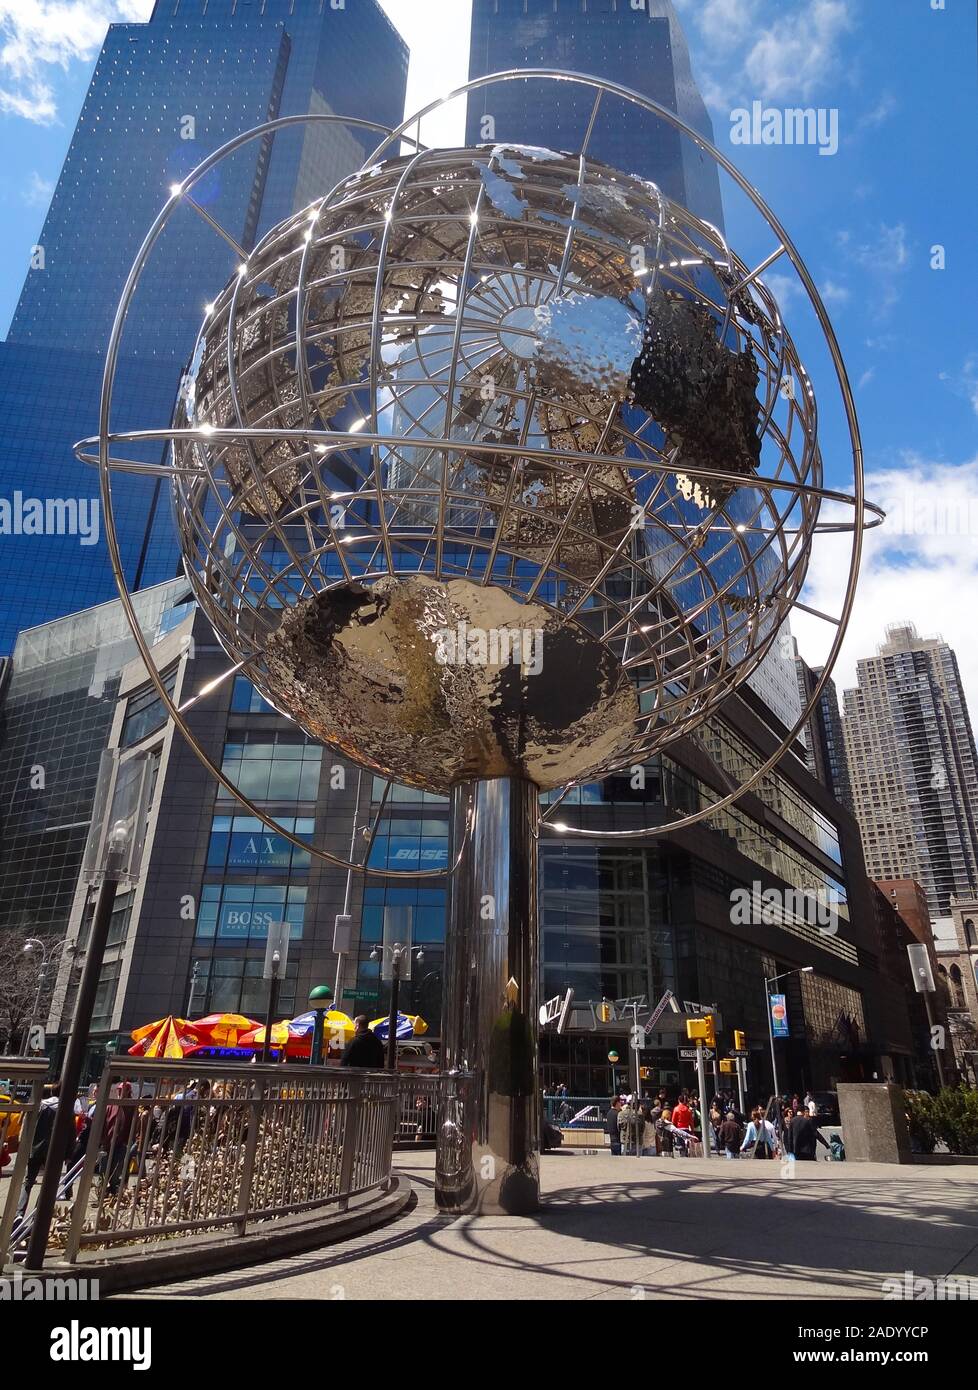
[295, 1034]
[167, 1037]
[408, 1026]
[255, 1036]
[223, 1030]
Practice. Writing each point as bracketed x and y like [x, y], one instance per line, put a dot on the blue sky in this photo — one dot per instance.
[902, 77]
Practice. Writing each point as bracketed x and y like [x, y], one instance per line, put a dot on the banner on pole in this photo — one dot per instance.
[779, 1015]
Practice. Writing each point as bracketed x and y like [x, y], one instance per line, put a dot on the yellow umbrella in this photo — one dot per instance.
[166, 1038]
[255, 1037]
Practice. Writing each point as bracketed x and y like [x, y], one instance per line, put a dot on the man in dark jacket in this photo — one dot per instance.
[611, 1125]
[730, 1135]
[365, 1048]
[802, 1135]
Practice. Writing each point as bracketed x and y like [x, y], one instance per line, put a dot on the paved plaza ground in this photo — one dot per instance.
[623, 1228]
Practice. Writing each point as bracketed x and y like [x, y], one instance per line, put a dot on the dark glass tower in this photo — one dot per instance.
[644, 49]
[163, 95]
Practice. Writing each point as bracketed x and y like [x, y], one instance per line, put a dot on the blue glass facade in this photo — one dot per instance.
[643, 49]
[164, 95]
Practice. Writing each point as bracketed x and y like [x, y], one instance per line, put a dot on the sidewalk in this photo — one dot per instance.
[622, 1228]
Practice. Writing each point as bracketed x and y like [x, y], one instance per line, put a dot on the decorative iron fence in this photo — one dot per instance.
[419, 1097]
[175, 1148]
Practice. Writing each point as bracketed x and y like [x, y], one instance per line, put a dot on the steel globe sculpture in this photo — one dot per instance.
[578, 440]
[495, 470]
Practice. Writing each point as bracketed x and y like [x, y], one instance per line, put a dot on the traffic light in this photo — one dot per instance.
[728, 1065]
[701, 1030]
[740, 1040]
[604, 1011]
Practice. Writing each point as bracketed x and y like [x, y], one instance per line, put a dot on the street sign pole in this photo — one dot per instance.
[741, 1069]
[770, 1034]
[704, 1113]
[637, 1037]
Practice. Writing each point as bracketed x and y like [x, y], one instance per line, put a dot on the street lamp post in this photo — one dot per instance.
[773, 980]
[320, 997]
[399, 953]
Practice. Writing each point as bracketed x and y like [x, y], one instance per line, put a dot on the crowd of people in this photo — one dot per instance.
[662, 1127]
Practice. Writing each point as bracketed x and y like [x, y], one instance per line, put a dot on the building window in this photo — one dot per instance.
[145, 712]
[273, 767]
[243, 912]
[246, 700]
[234, 984]
[970, 937]
[108, 986]
[118, 923]
[248, 845]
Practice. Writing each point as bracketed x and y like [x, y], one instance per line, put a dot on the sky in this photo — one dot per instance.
[900, 76]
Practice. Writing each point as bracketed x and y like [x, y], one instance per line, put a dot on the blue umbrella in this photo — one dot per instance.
[405, 1027]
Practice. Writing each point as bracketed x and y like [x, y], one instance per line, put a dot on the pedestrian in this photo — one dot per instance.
[730, 1136]
[364, 1049]
[716, 1119]
[631, 1123]
[802, 1136]
[566, 1112]
[664, 1132]
[41, 1143]
[682, 1115]
[648, 1133]
[811, 1104]
[760, 1135]
[611, 1125]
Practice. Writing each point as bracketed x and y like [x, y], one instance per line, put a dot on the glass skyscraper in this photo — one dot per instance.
[163, 96]
[644, 49]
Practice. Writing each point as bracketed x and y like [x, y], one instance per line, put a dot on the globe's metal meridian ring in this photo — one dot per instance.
[376, 438]
[112, 540]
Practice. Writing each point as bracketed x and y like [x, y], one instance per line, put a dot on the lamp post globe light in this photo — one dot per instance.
[496, 470]
[320, 1002]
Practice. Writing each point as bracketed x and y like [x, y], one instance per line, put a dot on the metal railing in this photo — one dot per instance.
[22, 1080]
[176, 1148]
[419, 1098]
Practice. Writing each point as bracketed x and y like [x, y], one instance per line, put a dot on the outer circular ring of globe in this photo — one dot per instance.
[375, 438]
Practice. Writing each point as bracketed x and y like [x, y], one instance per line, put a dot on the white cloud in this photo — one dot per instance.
[879, 113]
[37, 36]
[785, 288]
[799, 52]
[38, 192]
[884, 257]
[920, 565]
[965, 382]
[834, 293]
[722, 22]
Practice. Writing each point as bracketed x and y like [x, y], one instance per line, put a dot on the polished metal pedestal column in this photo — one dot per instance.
[489, 1130]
